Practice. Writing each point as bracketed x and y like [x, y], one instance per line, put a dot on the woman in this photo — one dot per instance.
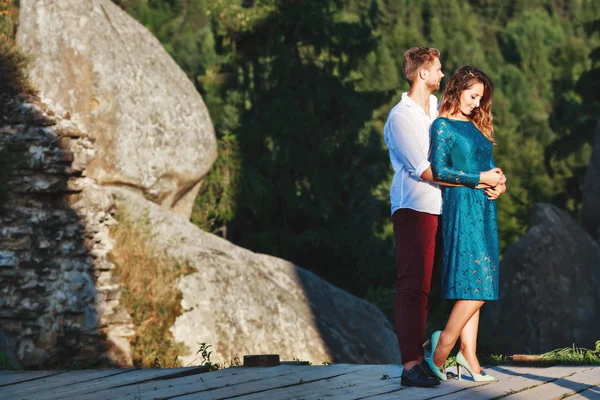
[461, 147]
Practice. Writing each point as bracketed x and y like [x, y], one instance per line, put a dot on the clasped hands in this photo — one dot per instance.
[494, 183]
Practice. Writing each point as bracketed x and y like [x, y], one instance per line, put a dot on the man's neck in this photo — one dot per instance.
[420, 95]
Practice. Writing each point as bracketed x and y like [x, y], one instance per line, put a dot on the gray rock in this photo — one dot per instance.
[549, 295]
[7, 346]
[590, 211]
[242, 303]
[50, 234]
[151, 128]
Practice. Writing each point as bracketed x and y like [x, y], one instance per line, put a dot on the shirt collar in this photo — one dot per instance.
[433, 103]
[409, 102]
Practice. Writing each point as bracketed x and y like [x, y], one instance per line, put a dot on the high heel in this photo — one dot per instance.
[462, 362]
[435, 337]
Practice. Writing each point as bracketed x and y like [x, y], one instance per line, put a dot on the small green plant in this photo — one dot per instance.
[495, 359]
[450, 361]
[5, 363]
[205, 354]
[157, 363]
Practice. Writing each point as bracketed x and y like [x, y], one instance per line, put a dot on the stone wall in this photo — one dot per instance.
[58, 297]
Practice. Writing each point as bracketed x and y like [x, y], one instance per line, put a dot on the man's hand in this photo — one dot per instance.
[493, 177]
[494, 192]
[502, 182]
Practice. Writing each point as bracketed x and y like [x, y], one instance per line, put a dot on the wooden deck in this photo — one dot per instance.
[339, 381]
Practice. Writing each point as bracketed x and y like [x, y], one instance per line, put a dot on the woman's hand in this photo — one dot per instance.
[494, 192]
[492, 178]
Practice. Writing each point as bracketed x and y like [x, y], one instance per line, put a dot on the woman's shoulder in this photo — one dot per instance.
[451, 124]
[441, 123]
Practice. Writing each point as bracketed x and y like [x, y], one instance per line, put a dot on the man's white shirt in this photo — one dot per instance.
[406, 134]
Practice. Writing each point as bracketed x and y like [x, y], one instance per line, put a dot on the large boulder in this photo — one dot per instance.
[242, 303]
[549, 295]
[590, 210]
[151, 129]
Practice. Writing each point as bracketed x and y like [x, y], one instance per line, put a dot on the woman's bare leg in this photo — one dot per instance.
[468, 343]
[461, 313]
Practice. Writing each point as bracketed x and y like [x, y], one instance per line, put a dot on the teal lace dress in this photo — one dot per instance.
[459, 152]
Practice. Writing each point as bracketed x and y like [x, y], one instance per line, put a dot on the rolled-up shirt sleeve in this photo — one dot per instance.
[400, 139]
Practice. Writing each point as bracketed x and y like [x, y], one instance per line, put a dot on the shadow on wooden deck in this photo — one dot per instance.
[338, 381]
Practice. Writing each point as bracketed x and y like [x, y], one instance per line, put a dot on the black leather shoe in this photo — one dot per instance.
[417, 376]
[427, 369]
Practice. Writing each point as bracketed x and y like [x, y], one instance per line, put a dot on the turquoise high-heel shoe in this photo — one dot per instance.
[462, 362]
[439, 373]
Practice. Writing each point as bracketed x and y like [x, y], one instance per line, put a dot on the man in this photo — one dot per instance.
[416, 205]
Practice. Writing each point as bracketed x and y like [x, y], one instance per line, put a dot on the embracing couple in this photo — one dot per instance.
[443, 165]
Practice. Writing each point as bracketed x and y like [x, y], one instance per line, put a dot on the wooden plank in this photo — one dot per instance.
[416, 393]
[82, 387]
[47, 384]
[592, 393]
[557, 389]
[336, 382]
[348, 386]
[192, 384]
[514, 378]
[303, 375]
[454, 389]
[14, 377]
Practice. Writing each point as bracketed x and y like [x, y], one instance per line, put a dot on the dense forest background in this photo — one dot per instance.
[299, 91]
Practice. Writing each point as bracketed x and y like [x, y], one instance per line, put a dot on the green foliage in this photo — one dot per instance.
[573, 356]
[310, 160]
[299, 91]
[215, 204]
[494, 359]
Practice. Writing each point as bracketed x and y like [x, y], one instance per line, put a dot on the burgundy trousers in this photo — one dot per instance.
[415, 236]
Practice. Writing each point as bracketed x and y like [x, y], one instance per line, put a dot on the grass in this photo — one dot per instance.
[5, 363]
[148, 293]
[494, 359]
[567, 356]
[573, 356]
